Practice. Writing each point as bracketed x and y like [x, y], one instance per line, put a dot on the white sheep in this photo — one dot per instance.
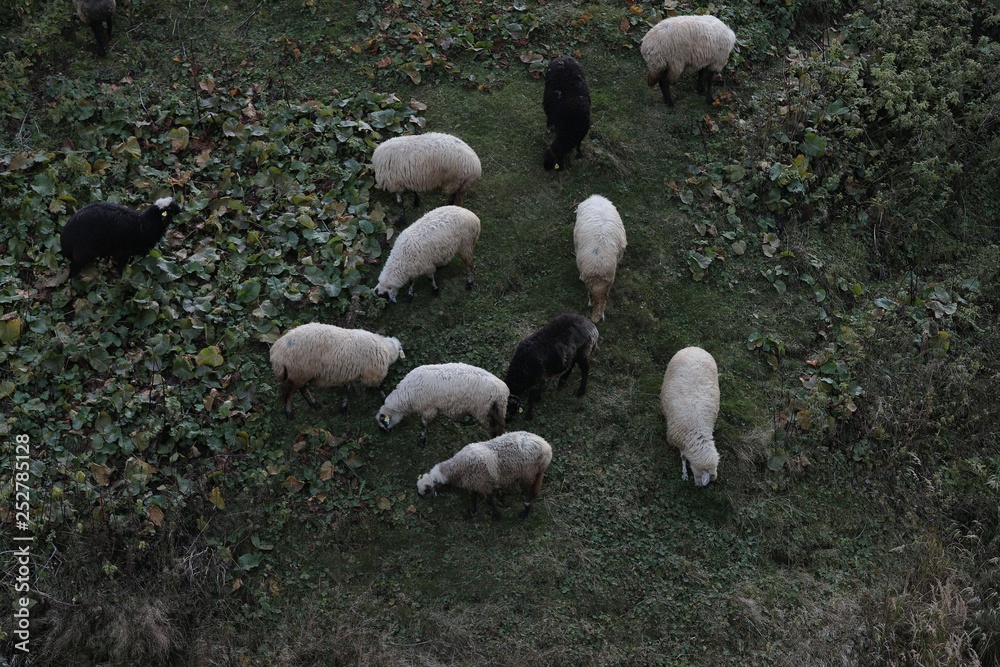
[690, 401]
[329, 356]
[684, 43]
[428, 243]
[518, 457]
[452, 389]
[424, 162]
[599, 238]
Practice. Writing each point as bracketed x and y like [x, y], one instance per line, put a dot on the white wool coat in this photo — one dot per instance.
[599, 238]
[518, 457]
[686, 43]
[428, 243]
[425, 162]
[689, 397]
[453, 389]
[329, 356]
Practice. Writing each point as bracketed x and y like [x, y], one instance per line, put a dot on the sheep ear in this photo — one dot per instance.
[402, 355]
[704, 478]
[557, 165]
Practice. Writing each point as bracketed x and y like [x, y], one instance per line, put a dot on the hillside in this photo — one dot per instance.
[826, 230]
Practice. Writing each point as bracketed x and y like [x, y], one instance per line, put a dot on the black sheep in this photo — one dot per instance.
[103, 229]
[96, 13]
[552, 350]
[567, 109]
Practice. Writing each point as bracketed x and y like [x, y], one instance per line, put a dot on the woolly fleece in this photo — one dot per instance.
[425, 162]
[599, 238]
[428, 243]
[566, 103]
[689, 397]
[329, 356]
[454, 390]
[680, 44]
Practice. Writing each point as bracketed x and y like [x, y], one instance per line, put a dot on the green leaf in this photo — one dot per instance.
[209, 356]
[249, 561]
[10, 328]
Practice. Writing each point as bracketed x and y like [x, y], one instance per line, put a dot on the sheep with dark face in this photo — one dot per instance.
[686, 43]
[566, 103]
[104, 229]
[554, 349]
[96, 14]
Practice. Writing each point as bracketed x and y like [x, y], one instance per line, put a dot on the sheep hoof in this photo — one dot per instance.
[436, 291]
[468, 285]
[421, 441]
[288, 414]
[524, 513]
[409, 297]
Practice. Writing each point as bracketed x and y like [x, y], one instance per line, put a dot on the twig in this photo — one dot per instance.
[246, 22]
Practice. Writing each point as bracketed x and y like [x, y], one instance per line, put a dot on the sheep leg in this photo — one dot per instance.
[285, 393]
[700, 80]
[530, 493]
[534, 395]
[109, 27]
[313, 403]
[564, 378]
[434, 286]
[416, 200]
[475, 505]
[665, 89]
[684, 471]
[493, 508]
[99, 37]
[585, 371]
[402, 210]
[409, 293]
[422, 440]
[709, 93]
[467, 258]
[343, 401]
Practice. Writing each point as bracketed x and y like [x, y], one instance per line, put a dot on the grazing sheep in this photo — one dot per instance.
[328, 356]
[428, 243]
[566, 103]
[424, 162]
[483, 467]
[683, 43]
[103, 229]
[96, 13]
[599, 238]
[452, 389]
[690, 401]
[552, 350]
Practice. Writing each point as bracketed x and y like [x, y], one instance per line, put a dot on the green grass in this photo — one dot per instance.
[810, 549]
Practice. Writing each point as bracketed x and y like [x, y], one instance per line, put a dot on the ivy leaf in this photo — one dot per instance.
[179, 137]
[209, 356]
[293, 484]
[10, 328]
[215, 497]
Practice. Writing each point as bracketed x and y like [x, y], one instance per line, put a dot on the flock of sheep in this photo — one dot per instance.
[324, 355]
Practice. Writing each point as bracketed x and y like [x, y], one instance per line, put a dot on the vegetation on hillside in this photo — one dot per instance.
[827, 230]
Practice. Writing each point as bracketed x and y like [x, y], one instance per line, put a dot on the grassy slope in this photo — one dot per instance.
[620, 563]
